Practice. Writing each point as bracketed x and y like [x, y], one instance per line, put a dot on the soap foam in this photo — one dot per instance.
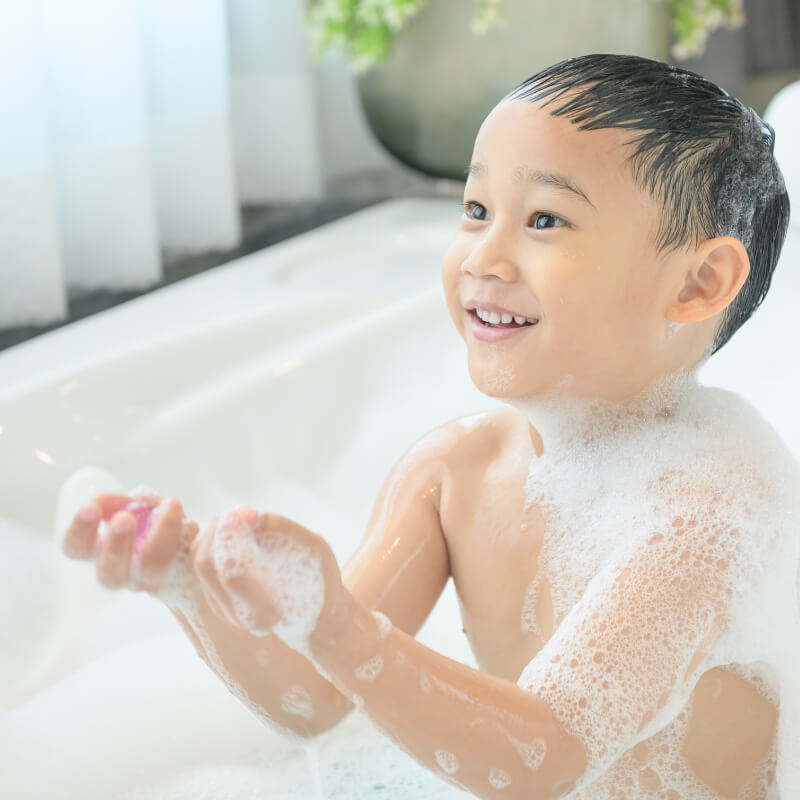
[384, 625]
[532, 753]
[447, 762]
[288, 570]
[370, 670]
[499, 778]
[296, 700]
[528, 622]
[671, 536]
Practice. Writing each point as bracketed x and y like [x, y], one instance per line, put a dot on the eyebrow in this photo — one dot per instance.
[527, 175]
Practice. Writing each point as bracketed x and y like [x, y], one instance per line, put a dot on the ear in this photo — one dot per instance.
[717, 270]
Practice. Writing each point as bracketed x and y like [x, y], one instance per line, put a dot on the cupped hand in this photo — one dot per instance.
[267, 574]
[135, 542]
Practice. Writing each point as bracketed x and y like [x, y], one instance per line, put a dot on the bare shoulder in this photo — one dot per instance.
[470, 440]
[483, 435]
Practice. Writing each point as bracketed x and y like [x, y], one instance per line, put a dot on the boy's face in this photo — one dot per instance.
[556, 230]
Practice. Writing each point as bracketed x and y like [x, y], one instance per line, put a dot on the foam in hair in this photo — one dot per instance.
[671, 542]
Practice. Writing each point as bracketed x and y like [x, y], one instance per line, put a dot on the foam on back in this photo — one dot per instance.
[671, 547]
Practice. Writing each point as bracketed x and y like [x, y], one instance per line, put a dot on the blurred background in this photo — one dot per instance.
[144, 141]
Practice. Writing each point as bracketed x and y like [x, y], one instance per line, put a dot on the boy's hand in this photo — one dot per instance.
[267, 574]
[133, 541]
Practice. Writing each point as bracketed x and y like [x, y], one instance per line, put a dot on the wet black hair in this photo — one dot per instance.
[704, 156]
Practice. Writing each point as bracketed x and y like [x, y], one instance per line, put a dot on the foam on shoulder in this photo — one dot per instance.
[672, 523]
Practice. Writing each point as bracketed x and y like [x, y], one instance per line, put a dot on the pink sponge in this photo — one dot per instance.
[144, 514]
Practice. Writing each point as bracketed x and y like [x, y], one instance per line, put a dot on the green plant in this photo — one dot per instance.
[693, 21]
[366, 29]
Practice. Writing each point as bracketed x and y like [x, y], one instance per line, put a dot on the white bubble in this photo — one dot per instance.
[673, 328]
[449, 689]
[499, 778]
[532, 753]
[384, 625]
[370, 670]
[290, 570]
[296, 700]
[528, 622]
[447, 762]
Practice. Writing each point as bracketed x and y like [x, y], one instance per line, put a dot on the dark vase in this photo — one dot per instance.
[427, 101]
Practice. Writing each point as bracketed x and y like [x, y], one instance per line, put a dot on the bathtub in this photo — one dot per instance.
[289, 380]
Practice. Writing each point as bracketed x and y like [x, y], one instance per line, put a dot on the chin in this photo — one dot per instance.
[494, 382]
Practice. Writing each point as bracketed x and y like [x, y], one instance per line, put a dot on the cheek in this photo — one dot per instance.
[451, 273]
[451, 261]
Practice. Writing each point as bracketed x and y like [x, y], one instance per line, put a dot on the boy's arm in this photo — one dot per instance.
[400, 569]
[401, 566]
[480, 732]
[629, 652]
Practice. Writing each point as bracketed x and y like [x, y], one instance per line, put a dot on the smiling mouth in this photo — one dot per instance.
[501, 325]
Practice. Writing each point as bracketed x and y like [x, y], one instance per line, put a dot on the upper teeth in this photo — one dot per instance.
[492, 317]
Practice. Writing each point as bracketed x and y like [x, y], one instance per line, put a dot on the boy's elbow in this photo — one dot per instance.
[321, 722]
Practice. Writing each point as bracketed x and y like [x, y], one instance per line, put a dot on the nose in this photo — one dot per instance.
[491, 256]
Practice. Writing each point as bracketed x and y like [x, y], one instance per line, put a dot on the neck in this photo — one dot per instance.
[567, 422]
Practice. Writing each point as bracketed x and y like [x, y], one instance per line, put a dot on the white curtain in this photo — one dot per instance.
[134, 129]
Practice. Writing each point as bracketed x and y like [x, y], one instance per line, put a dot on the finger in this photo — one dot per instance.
[109, 504]
[114, 558]
[252, 604]
[81, 535]
[206, 571]
[163, 542]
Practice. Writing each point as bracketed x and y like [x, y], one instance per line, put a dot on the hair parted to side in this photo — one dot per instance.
[706, 158]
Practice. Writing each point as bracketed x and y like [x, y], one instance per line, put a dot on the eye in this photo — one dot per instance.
[476, 211]
[542, 220]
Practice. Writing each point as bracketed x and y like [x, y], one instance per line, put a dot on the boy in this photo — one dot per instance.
[622, 218]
